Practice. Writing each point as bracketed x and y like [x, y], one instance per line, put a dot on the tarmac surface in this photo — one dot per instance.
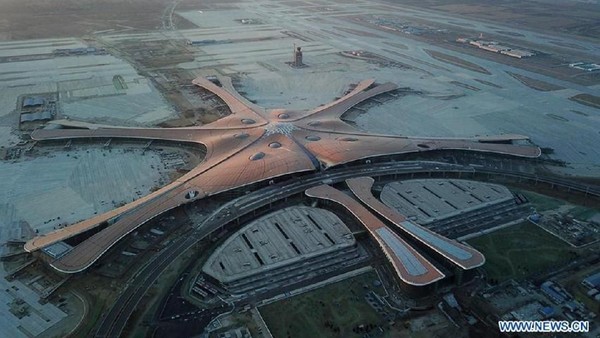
[81, 182]
[443, 108]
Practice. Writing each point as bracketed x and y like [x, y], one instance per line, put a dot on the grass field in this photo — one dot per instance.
[543, 203]
[520, 250]
[342, 304]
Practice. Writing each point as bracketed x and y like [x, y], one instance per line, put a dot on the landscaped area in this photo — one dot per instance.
[331, 311]
[542, 202]
[545, 203]
[521, 250]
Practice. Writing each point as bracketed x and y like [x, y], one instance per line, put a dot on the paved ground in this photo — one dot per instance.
[68, 186]
[446, 107]
[85, 83]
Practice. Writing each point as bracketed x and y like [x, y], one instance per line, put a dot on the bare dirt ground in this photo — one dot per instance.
[535, 84]
[456, 61]
[575, 17]
[39, 19]
[29, 19]
[587, 99]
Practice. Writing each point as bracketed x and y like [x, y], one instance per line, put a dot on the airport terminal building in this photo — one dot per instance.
[282, 248]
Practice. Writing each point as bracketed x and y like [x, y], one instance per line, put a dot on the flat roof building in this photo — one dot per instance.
[284, 247]
[592, 281]
[452, 207]
[33, 101]
[37, 116]
[518, 53]
[588, 67]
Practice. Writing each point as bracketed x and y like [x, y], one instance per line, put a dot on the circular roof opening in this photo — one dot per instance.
[191, 194]
[248, 121]
[422, 145]
[348, 139]
[284, 116]
[313, 138]
[275, 145]
[241, 136]
[314, 123]
[257, 156]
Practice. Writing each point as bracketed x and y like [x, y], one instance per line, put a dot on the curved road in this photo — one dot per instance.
[115, 320]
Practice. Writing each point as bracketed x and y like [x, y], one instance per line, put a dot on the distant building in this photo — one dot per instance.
[588, 67]
[298, 57]
[530, 311]
[282, 248]
[517, 53]
[593, 281]
[493, 46]
[33, 101]
[241, 332]
[37, 116]
[554, 293]
[547, 311]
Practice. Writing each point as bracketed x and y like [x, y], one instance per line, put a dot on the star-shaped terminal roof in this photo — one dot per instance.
[251, 144]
